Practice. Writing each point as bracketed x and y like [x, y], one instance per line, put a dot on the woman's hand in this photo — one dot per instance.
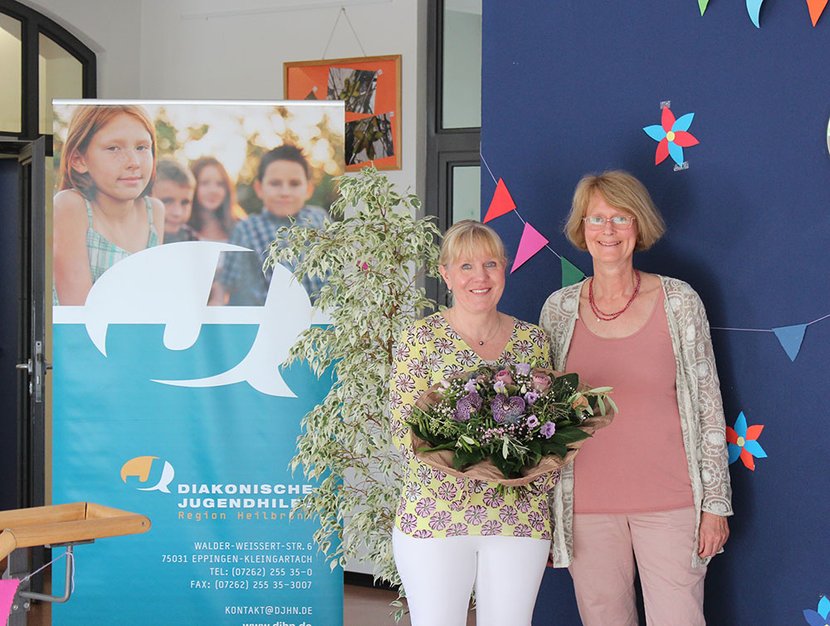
[714, 531]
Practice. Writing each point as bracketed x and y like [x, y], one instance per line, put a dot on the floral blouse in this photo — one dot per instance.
[432, 503]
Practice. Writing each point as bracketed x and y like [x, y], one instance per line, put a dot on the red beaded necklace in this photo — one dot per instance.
[608, 317]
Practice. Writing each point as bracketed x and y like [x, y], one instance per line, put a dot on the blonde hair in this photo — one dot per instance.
[622, 191]
[469, 237]
[86, 121]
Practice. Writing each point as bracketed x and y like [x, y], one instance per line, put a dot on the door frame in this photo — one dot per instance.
[31, 362]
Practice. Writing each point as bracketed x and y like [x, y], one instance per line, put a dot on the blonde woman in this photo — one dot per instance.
[454, 534]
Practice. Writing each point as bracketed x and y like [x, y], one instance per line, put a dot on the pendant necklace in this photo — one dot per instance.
[602, 316]
[484, 340]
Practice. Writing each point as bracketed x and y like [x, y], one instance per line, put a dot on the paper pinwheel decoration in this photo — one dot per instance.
[672, 135]
[821, 617]
[743, 442]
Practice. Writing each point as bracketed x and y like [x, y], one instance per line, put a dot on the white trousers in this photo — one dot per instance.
[439, 574]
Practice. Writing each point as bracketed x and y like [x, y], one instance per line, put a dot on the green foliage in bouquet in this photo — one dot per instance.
[374, 260]
[513, 416]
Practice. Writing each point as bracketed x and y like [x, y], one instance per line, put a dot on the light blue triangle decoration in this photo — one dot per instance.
[753, 7]
[790, 338]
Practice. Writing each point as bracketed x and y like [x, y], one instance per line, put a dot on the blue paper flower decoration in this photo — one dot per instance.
[743, 444]
[819, 617]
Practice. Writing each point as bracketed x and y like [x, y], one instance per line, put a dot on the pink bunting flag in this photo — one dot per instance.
[816, 8]
[8, 587]
[532, 241]
[501, 203]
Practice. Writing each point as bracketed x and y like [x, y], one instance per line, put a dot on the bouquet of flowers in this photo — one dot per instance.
[511, 424]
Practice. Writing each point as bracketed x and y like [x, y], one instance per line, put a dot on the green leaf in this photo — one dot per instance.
[347, 434]
[569, 434]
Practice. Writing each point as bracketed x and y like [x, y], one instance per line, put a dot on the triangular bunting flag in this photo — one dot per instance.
[532, 241]
[816, 8]
[8, 587]
[501, 203]
[790, 338]
[571, 274]
[753, 7]
[702, 4]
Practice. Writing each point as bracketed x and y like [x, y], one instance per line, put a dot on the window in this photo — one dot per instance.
[41, 61]
[453, 116]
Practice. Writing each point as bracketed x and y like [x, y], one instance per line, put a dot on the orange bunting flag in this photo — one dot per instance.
[816, 8]
[532, 241]
[501, 203]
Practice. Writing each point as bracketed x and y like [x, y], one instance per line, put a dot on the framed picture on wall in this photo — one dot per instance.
[371, 89]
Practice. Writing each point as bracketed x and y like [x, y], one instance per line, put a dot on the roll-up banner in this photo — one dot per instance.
[170, 399]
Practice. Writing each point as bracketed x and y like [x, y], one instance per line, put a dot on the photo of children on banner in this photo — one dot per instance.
[115, 179]
[284, 185]
[103, 211]
[174, 186]
[215, 210]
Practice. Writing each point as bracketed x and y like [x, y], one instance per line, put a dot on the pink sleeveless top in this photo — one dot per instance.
[637, 464]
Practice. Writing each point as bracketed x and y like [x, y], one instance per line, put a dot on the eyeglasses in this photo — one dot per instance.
[619, 222]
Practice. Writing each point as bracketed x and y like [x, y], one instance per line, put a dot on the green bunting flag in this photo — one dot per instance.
[571, 274]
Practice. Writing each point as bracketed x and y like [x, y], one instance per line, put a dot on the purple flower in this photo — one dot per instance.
[413, 491]
[440, 520]
[536, 520]
[447, 491]
[408, 522]
[499, 387]
[540, 382]
[470, 385]
[466, 406]
[507, 409]
[508, 515]
[523, 368]
[523, 504]
[531, 397]
[504, 377]
[425, 507]
[522, 530]
[462, 410]
[492, 498]
[422, 534]
[532, 421]
[491, 527]
[475, 515]
[548, 429]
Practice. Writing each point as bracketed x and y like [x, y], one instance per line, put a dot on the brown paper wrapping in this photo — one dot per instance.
[487, 471]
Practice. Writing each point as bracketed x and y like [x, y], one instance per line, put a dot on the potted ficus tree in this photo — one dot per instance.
[374, 255]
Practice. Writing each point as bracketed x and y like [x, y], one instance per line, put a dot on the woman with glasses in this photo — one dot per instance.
[651, 493]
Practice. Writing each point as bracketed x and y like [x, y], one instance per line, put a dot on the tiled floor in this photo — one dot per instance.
[366, 606]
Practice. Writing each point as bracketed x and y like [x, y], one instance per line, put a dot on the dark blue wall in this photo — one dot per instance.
[567, 87]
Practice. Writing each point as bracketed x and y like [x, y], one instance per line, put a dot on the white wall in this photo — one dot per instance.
[111, 29]
[215, 49]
